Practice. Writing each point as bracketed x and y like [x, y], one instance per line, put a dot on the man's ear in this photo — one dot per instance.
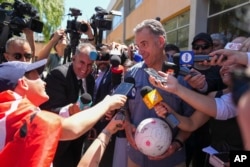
[6, 56]
[162, 40]
[22, 85]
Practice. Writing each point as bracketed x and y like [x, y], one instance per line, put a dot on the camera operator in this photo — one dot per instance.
[58, 41]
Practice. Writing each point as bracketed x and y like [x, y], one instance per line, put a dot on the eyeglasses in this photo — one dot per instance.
[203, 47]
[18, 56]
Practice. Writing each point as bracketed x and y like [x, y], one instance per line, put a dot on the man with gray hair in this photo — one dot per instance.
[150, 37]
[219, 41]
[64, 84]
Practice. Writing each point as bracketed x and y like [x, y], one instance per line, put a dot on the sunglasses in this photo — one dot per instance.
[203, 47]
[18, 56]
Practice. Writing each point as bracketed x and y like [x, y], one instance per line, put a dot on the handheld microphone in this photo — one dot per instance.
[84, 101]
[172, 68]
[115, 60]
[152, 97]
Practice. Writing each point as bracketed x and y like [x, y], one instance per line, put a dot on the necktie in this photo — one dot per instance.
[81, 91]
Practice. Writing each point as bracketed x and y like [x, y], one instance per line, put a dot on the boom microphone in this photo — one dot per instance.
[151, 97]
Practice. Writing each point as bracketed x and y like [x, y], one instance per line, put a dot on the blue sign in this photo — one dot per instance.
[186, 58]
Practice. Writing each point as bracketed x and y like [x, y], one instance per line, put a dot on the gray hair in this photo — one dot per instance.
[153, 25]
[15, 40]
[84, 45]
[221, 37]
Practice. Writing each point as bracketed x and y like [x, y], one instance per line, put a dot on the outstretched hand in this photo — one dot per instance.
[169, 86]
[115, 101]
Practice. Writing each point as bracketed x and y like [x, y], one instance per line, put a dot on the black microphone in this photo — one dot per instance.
[115, 60]
[84, 101]
[116, 75]
[172, 68]
[152, 97]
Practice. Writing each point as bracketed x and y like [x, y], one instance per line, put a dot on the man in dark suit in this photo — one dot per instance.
[62, 86]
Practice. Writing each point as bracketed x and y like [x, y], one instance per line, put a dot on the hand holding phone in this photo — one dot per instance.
[155, 74]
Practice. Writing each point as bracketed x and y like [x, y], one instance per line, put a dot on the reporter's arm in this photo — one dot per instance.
[93, 155]
[189, 124]
[200, 102]
[79, 123]
[45, 51]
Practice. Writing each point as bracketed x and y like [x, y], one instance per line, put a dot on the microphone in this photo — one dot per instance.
[172, 68]
[84, 101]
[115, 60]
[152, 97]
[116, 75]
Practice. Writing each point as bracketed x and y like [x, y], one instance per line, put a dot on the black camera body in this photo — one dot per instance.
[74, 25]
[103, 23]
[20, 15]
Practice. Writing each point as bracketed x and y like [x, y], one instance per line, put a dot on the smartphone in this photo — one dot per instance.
[200, 58]
[233, 46]
[155, 74]
[172, 120]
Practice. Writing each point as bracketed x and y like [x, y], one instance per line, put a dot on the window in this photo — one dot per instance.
[177, 30]
[232, 23]
[117, 20]
[216, 6]
[134, 4]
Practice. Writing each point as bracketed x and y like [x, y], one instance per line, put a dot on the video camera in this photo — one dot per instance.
[21, 15]
[14, 18]
[101, 22]
[74, 29]
[74, 25]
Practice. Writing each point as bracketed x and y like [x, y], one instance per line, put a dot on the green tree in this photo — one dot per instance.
[50, 11]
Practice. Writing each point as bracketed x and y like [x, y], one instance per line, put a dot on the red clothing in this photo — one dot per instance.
[28, 136]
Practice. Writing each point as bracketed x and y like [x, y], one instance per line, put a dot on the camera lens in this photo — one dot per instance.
[83, 27]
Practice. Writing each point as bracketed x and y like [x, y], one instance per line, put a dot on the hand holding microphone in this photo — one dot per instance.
[84, 101]
[151, 98]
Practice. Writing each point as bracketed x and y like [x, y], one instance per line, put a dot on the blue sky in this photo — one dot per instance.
[87, 8]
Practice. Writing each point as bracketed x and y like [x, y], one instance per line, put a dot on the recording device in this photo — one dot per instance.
[241, 83]
[115, 60]
[125, 87]
[74, 29]
[14, 18]
[101, 21]
[197, 58]
[84, 101]
[172, 68]
[219, 159]
[74, 25]
[22, 15]
[155, 74]
[152, 97]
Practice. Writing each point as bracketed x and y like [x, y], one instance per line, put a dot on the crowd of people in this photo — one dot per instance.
[43, 123]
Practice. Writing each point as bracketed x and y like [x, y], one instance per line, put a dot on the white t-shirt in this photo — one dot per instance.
[225, 107]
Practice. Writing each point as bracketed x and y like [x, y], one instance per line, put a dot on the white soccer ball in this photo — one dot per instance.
[153, 136]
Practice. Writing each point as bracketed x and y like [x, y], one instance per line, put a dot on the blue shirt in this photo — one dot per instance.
[139, 111]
